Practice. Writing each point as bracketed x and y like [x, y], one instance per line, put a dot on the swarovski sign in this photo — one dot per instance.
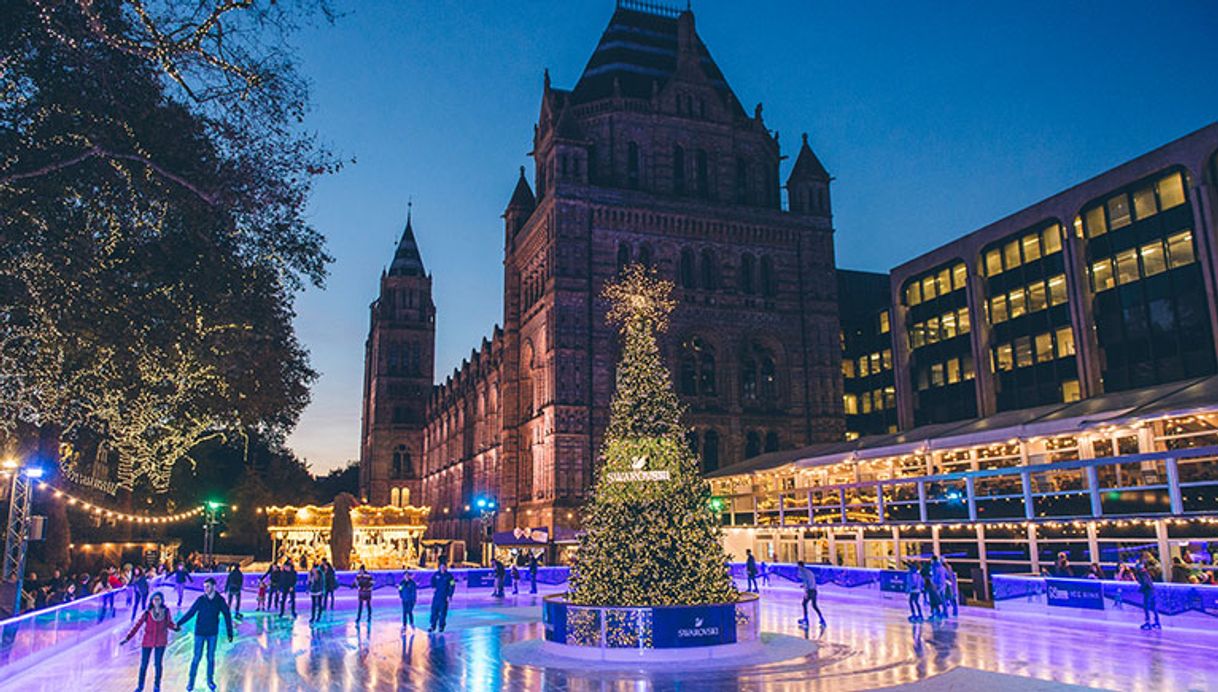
[637, 472]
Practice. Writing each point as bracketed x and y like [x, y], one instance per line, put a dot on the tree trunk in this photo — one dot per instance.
[341, 533]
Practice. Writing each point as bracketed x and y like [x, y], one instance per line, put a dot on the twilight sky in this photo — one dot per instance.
[935, 118]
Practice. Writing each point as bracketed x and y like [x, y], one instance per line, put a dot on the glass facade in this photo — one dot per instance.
[870, 396]
[941, 356]
[1032, 349]
[1147, 291]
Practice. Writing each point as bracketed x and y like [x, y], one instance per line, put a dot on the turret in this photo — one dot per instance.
[808, 184]
[519, 208]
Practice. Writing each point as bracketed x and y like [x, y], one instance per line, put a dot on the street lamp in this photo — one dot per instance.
[211, 519]
[17, 528]
[486, 515]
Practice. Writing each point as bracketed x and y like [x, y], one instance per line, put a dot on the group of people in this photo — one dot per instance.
[156, 622]
[130, 581]
[933, 582]
[1146, 570]
[501, 572]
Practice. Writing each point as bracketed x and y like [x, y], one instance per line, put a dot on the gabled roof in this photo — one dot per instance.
[406, 260]
[807, 166]
[522, 196]
[638, 52]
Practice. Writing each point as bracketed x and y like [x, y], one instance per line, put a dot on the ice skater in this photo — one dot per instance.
[180, 577]
[500, 575]
[287, 587]
[262, 588]
[331, 583]
[139, 587]
[914, 584]
[1146, 584]
[156, 623]
[515, 578]
[532, 573]
[317, 593]
[750, 568]
[951, 590]
[363, 582]
[206, 611]
[808, 580]
[232, 589]
[443, 585]
[408, 592]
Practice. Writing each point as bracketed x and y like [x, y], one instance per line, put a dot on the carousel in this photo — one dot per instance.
[385, 537]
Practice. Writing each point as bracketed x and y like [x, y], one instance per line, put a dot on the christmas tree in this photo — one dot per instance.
[650, 535]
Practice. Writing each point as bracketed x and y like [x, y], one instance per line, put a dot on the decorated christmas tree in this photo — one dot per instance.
[650, 535]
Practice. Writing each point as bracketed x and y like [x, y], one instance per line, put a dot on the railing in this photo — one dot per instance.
[1176, 482]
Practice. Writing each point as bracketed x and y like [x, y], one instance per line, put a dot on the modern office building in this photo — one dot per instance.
[869, 401]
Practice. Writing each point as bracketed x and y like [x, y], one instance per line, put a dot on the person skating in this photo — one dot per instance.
[156, 623]
[515, 578]
[532, 573]
[443, 585]
[500, 575]
[951, 590]
[180, 577]
[331, 583]
[139, 587]
[206, 611]
[317, 593]
[914, 584]
[232, 589]
[808, 580]
[363, 582]
[287, 587]
[262, 589]
[938, 579]
[274, 581]
[408, 592]
[1146, 585]
[750, 569]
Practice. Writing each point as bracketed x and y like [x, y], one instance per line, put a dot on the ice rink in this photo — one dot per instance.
[866, 645]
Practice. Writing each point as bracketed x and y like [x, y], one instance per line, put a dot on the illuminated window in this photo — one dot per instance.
[943, 282]
[1154, 260]
[1144, 203]
[1004, 358]
[865, 402]
[1057, 290]
[847, 368]
[936, 375]
[1031, 247]
[1065, 342]
[1017, 302]
[913, 294]
[993, 262]
[1101, 275]
[917, 335]
[1037, 300]
[1118, 211]
[928, 288]
[874, 360]
[998, 309]
[890, 397]
[949, 325]
[1180, 249]
[851, 404]
[1127, 266]
[1095, 222]
[932, 331]
[969, 371]
[1051, 239]
[1044, 347]
[1070, 391]
[962, 320]
[863, 370]
[884, 322]
[886, 358]
[959, 276]
[1023, 351]
[1171, 191]
[953, 371]
[1010, 255]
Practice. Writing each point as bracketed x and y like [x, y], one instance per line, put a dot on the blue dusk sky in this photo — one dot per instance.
[935, 118]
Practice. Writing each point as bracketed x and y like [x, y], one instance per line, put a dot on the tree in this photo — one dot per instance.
[344, 480]
[650, 537]
[152, 232]
[342, 534]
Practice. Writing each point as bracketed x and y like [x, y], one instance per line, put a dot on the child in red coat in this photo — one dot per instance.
[156, 623]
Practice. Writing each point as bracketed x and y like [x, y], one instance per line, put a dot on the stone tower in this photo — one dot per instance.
[399, 359]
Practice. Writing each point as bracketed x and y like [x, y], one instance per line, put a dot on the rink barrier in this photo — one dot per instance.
[1180, 606]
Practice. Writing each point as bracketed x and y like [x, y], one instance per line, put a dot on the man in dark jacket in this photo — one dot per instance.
[331, 582]
[443, 585]
[232, 588]
[532, 573]
[287, 587]
[207, 610]
[750, 568]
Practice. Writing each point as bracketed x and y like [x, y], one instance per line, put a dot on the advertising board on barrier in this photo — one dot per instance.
[679, 627]
[893, 580]
[1075, 593]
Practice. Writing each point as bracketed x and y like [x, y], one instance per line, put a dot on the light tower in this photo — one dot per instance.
[17, 528]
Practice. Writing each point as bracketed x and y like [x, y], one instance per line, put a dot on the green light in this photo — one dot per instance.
[213, 505]
[716, 504]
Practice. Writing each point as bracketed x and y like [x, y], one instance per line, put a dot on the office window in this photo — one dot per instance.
[917, 335]
[1144, 203]
[928, 288]
[1101, 275]
[1037, 300]
[1044, 347]
[1057, 290]
[1180, 249]
[953, 371]
[890, 397]
[1118, 211]
[874, 363]
[959, 276]
[1051, 239]
[863, 368]
[1065, 342]
[923, 379]
[949, 325]
[850, 403]
[1096, 225]
[998, 310]
[1031, 247]
[1171, 191]
[1017, 303]
[993, 262]
[1154, 260]
[884, 322]
[865, 402]
[943, 282]
[1127, 266]
[1023, 351]
[932, 331]
[1070, 391]
[1010, 255]
[847, 368]
[886, 358]
[913, 294]
[969, 372]
[936, 375]
[962, 320]
[1004, 358]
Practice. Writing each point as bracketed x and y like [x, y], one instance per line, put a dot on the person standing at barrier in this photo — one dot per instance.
[180, 577]
[363, 582]
[408, 592]
[443, 586]
[317, 593]
[206, 611]
[287, 587]
[913, 584]
[156, 623]
[232, 589]
[808, 579]
[532, 572]
[139, 587]
[500, 574]
[750, 569]
[1146, 585]
[331, 582]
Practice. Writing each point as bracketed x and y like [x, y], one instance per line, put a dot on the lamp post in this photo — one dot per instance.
[17, 528]
[486, 516]
[211, 519]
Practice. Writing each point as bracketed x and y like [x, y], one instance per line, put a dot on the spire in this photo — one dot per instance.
[522, 196]
[406, 260]
[807, 166]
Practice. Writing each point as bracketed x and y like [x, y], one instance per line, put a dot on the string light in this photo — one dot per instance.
[98, 510]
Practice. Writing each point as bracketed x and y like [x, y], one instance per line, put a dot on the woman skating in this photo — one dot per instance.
[317, 592]
[156, 623]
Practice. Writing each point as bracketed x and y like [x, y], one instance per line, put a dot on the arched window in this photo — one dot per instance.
[678, 170]
[623, 256]
[702, 173]
[748, 379]
[687, 269]
[395, 497]
[771, 442]
[401, 463]
[710, 272]
[767, 277]
[752, 444]
[768, 381]
[632, 165]
[748, 282]
[710, 451]
[697, 371]
[742, 181]
[645, 255]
